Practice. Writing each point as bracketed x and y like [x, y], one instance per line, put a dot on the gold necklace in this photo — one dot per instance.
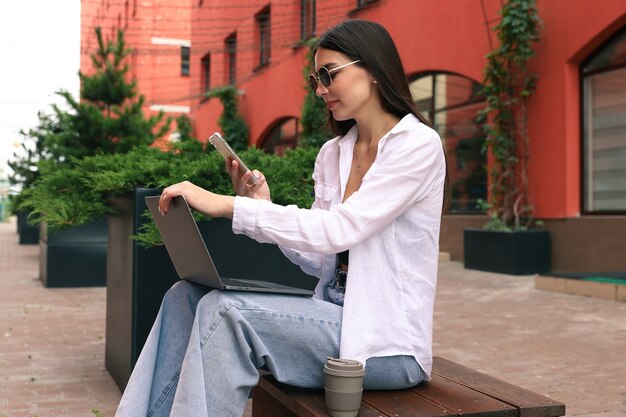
[380, 135]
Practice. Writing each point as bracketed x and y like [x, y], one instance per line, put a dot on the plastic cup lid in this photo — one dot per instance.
[349, 366]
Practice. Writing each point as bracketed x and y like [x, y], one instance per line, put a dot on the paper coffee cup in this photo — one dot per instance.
[344, 386]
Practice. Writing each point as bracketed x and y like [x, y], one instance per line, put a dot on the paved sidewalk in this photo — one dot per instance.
[567, 347]
[51, 341]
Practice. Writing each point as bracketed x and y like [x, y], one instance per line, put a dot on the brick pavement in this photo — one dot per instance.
[567, 347]
[51, 341]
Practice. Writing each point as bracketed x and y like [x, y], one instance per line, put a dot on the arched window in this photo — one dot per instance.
[282, 136]
[450, 102]
[604, 127]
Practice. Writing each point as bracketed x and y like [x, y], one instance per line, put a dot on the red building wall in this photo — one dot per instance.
[154, 30]
[431, 35]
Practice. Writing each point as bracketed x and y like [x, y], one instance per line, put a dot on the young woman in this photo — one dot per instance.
[379, 189]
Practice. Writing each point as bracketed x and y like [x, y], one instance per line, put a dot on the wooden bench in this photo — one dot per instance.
[453, 391]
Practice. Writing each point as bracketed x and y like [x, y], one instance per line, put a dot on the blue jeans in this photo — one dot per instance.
[205, 348]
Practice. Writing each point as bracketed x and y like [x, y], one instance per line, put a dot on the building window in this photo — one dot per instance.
[230, 44]
[205, 79]
[451, 103]
[284, 135]
[604, 127]
[363, 3]
[264, 36]
[185, 53]
[307, 19]
[126, 6]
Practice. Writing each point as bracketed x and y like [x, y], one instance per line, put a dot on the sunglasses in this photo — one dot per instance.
[324, 76]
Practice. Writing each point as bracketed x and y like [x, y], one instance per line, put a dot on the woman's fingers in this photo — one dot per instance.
[166, 198]
[243, 185]
[232, 167]
[184, 188]
[260, 180]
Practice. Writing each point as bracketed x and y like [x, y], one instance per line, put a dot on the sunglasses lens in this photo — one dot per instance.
[313, 82]
[324, 77]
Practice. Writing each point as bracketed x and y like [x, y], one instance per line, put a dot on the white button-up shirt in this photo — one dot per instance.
[391, 227]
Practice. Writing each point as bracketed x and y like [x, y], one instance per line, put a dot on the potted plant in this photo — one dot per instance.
[24, 164]
[507, 243]
[107, 120]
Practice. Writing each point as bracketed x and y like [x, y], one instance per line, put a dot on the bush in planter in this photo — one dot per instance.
[504, 244]
[24, 164]
[82, 192]
[108, 118]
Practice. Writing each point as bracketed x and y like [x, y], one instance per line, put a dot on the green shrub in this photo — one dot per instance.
[83, 191]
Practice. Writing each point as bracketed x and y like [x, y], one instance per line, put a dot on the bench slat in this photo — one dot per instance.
[313, 405]
[529, 403]
[404, 403]
[454, 391]
[462, 400]
[302, 402]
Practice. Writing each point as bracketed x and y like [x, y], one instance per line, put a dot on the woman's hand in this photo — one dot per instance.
[242, 184]
[206, 202]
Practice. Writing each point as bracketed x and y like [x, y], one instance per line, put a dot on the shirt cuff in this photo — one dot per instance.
[244, 216]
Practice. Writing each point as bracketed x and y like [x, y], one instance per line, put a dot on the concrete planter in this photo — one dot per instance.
[517, 253]
[74, 257]
[28, 234]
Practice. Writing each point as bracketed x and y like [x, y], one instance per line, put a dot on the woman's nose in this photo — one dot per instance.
[321, 90]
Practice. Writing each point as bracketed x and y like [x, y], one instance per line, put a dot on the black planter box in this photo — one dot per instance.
[138, 277]
[74, 257]
[521, 252]
[28, 234]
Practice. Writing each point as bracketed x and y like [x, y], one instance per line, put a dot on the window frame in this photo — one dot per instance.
[205, 73]
[433, 111]
[185, 61]
[583, 91]
[230, 49]
[308, 19]
[263, 25]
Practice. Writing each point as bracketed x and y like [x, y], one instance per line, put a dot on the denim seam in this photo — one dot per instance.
[164, 393]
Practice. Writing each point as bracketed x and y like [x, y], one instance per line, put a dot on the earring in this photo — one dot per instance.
[375, 82]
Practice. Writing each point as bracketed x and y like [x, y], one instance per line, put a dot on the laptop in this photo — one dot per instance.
[191, 258]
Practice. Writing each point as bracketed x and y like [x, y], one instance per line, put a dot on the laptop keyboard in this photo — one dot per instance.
[237, 283]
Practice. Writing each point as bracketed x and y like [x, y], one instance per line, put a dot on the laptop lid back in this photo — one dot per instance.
[184, 242]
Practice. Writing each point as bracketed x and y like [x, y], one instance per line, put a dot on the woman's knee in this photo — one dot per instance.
[392, 372]
[183, 292]
[216, 300]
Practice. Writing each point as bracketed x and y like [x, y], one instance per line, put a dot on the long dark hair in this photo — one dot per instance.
[370, 43]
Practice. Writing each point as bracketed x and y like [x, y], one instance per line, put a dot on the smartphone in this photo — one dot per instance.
[227, 152]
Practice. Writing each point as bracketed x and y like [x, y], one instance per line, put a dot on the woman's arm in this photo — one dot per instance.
[216, 205]
[206, 202]
[409, 169]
